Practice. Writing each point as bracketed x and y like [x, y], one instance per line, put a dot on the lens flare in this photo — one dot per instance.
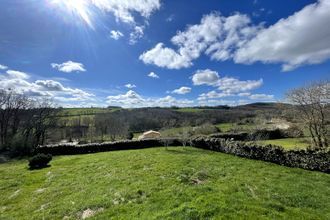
[79, 8]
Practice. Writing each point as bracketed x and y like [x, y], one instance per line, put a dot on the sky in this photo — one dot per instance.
[145, 53]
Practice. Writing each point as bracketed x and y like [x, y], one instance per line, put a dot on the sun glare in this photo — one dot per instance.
[79, 8]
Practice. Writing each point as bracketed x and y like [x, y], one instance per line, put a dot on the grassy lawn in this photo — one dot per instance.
[289, 143]
[156, 183]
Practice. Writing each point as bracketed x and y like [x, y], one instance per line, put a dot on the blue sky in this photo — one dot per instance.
[138, 53]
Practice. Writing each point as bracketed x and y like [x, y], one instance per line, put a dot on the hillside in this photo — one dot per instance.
[177, 183]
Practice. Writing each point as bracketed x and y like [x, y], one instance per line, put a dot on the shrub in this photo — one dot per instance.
[130, 136]
[265, 134]
[39, 161]
[293, 132]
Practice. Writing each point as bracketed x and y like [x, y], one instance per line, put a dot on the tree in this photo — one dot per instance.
[312, 103]
[43, 119]
[109, 124]
[23, 121]
[12, 106]
[186, 136]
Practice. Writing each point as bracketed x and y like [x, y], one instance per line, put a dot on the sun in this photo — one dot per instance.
[77, 8]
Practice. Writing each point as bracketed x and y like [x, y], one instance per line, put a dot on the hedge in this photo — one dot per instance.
[306, 159]
[70, 149]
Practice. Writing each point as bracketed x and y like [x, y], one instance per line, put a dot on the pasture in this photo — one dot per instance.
[178, 183]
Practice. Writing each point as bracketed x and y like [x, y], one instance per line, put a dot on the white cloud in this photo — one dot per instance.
[130, 86]
[233, 85]
[69, 67]
[205, 77]
[21, 83]
[165, 57]
[300, 39]
[153, 75]
[182, 90]
[297, 40]
[228, 85]
[116, 34]
[3, 67]
[123, 10]
[261, 97]
[14, 74]
[131, 99]
[216, 36]
[136, 34]
[170, 18]
[244, 94]
[213, 95]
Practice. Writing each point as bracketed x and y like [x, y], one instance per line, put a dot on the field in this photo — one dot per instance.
[178, 183]
[289, 143]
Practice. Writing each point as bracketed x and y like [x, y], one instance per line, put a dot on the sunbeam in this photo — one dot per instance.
[79, 8]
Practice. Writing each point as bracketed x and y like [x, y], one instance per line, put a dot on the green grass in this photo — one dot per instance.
[225, 127]
[178, 183]
[289, 143]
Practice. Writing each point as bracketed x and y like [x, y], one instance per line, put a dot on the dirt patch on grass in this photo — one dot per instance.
[90, 212]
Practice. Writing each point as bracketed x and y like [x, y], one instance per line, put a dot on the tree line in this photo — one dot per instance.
[24, 122]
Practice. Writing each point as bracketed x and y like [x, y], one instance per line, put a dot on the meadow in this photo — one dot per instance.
[178, 183]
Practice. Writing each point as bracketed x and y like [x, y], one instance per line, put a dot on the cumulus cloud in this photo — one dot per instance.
[130, 86]
[182, 90]
[136, 34]
[116, 34]
[228, 85]
[153, 75]
[213, 95]
[124, 10]
[165, 57]
[14, 74]
[3, 67]
[233, 85]
[205, 77]
[297, 40]
[133, 99]
[69, 67]
[216, 36]
[300, 39]
[22, 84]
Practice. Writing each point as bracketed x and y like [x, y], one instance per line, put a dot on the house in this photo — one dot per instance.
[149, 134]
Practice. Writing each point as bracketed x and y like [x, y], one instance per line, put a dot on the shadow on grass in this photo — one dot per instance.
[39, 167]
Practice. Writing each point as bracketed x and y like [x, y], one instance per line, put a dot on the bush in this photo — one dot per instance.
[130, 136]
[265, 134]
[293, 132]
[39, 161]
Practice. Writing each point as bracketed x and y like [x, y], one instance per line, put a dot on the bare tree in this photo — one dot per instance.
[186, 136]
[108, 124]
[43, 119]
[312, 102]
[11, 107]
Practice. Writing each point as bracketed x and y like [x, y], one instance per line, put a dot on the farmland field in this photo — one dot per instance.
[289, 143]
[178, 183]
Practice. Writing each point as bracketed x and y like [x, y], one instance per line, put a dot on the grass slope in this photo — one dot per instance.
[156, 183]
